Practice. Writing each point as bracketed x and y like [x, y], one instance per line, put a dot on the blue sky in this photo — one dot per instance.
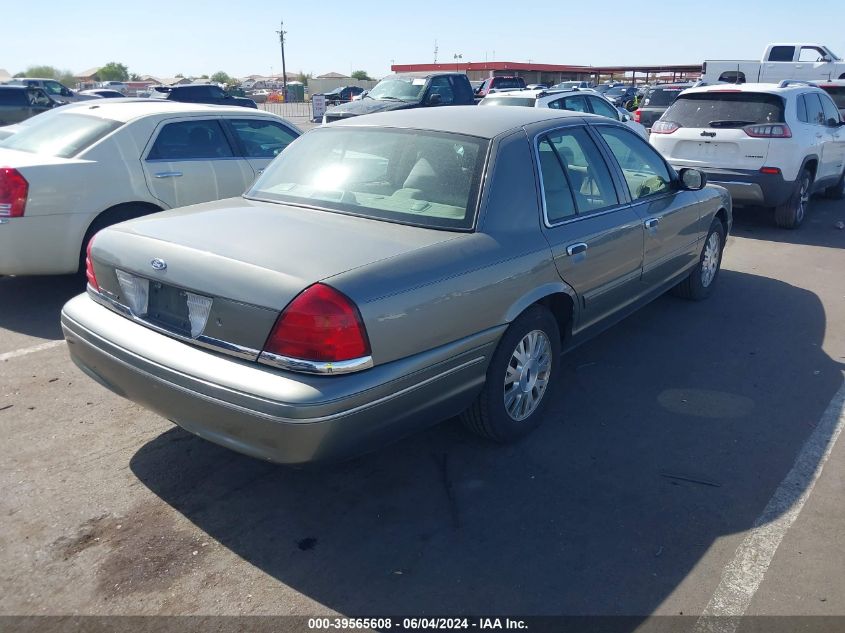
[165, 38]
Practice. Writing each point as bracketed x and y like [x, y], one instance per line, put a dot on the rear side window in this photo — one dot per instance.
[725, 109]
[782, 53]
[576, 104]
[261, 138]
[185, 140]
[557, 194]
[13, 97]
[802, 109]
[586, 173]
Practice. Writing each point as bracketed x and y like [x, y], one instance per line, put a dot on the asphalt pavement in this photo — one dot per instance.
[681, 444]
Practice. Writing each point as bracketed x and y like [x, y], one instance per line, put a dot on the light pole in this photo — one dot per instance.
[457, 56]
[281, 33]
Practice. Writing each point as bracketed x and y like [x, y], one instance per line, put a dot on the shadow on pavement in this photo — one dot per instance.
[667, 432]
[32, 305]
[818, 229]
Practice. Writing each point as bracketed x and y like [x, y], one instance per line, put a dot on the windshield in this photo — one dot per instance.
[725, 109]
[403, 88]
[507, 101]
[661, 96]
[566, 85]
[427, 179]
[837, 93]
[63, 135]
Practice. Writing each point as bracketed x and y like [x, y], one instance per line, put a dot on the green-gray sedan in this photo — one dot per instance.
[391, 271]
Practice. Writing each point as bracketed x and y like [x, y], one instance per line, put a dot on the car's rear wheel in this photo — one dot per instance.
[791, 214]
[515, 394]
[701, 281]
[120, 213]
[837, 191]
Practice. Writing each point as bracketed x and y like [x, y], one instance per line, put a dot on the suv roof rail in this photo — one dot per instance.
[794, 82]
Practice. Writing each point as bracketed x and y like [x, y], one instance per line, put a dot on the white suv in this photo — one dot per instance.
[575, 99]
[769, 144]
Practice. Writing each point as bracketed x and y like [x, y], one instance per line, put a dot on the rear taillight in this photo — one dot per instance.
[768, 130]
[89, 266]
[637, 115]
[13, 192]
[772, 171]
[320, 325]
[664, 127]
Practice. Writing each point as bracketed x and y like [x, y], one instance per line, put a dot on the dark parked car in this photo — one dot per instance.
[410, 90]
[105, 93]
[656, 101]
[836, 90]
[18, 103]
[388, 272]
[621, 96]
[56, 90]
[199, 93]
[492, 84]
[342, 94]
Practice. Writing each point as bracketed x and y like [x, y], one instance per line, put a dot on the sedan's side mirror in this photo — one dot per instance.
[434, 99]
[692, 179]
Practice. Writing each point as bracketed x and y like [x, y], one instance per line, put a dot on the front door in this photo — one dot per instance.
[191, 161]
[671, 217]
[595, 236]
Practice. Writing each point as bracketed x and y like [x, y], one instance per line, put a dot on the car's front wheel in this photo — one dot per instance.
[515, 394]
[701, 281]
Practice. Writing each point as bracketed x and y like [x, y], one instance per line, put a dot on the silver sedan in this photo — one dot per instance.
[391, 271]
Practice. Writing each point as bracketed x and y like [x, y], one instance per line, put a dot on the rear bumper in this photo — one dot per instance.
[750, 187]
[41, 244]
[268, 413]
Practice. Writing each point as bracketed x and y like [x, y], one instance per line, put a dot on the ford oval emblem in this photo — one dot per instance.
[158, 264]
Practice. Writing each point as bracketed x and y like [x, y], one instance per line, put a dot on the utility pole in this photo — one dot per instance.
[435, 51]
[281, 33]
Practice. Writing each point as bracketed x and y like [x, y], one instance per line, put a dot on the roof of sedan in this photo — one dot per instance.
[471, 120]
[127, 109]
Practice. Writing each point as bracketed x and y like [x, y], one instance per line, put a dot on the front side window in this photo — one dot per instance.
[830, 111]
[423, 178]
[261, 138]
[586, 172]
[603, 108]
[64, 135]
[53, 87]
[443, 87]
[186, 140]
[810, 54]
[37, 97]
[815, 111]
[557, 194]
[645, 172]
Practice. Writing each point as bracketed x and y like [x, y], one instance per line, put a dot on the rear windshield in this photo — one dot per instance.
[63, 135]
[508, 101]
[508, 82]
[837, 93]
[428, 179]
[725, 109]
[661, 96]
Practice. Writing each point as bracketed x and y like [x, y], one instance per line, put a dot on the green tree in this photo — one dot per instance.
[134, 77]
[49, 72]
[361, 74]
[221, 78]
[113, 71]
[303, 78]
[203, 76]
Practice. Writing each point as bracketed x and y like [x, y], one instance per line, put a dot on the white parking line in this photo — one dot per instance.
[30, 350]
[742, 576]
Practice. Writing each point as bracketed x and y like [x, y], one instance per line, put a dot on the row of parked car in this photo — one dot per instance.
[328, 292]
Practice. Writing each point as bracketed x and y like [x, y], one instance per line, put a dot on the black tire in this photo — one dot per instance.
[699, 284]
[488, 415]
[791, 214]
[837, 191]
[108, 218]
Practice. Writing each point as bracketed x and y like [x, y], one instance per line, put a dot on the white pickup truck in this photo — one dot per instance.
[810, 62]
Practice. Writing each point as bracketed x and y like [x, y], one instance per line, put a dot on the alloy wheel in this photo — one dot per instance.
[527, 375]
[710, 260]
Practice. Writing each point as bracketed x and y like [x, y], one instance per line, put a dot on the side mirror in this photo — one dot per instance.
[831, 122]
[66, 92]
[692, 179]
[434, 99]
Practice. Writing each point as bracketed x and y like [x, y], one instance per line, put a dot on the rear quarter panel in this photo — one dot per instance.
[476, 282]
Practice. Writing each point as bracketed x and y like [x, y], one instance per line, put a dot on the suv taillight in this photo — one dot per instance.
[89, 266]
[14, 190]
[637, 115]
[664, 127]
[768, 130]
[322, 325]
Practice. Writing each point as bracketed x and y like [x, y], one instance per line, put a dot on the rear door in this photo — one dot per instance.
[14, 106]
[260, 140]
[193, 160]
[595, 236]
[834, 140]
[671, 217]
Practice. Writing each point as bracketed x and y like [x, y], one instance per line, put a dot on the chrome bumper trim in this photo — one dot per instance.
[314, 367]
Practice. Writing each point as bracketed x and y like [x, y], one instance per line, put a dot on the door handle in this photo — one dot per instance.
[260, 171]
[651, 223]
[168, 174]
[574, 249]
